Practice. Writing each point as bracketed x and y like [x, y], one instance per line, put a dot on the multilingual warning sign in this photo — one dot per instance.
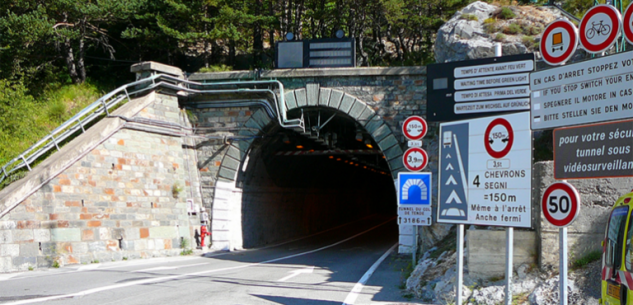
[485, 171]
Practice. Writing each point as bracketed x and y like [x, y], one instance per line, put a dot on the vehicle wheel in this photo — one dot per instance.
[623, 295]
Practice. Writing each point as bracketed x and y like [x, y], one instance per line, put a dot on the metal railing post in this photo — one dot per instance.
[27, 163]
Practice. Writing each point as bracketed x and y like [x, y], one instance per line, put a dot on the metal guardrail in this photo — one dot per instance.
[96, 111]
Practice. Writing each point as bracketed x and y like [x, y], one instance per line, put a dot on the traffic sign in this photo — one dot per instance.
[414, 198]
[592, 91]
[415, 159]
[559, 41]
[498, 138]
[476, 88]
[486, 182]
[594, 151]
[600, 28]
[627, 24]
[560, 204]
[414, 128]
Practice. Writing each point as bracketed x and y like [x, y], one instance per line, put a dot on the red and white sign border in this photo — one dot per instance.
[422, 121]
[571, 29]
[411, 150]
[575, 203]
[499, 154]
[627, 23]
[616, 20]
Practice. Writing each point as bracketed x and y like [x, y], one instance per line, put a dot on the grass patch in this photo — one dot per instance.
[587, 259]
[216, 68]
[469, 17]
[186, 252]
[512, 29]
[500, 37]
[521, 298]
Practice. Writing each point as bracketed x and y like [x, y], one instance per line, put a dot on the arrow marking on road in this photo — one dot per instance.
[451, 180]
[297, 272]
[449, 167]
[448, 156]
[453, 197]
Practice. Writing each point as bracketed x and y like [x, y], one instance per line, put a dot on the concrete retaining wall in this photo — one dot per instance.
[487, 251]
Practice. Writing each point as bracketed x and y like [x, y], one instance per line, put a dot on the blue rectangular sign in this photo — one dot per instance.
[414, 188]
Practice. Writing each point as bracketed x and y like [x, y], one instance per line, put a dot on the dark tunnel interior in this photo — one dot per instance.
[295, 184]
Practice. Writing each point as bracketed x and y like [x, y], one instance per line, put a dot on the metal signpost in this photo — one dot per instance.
[476, 88]
[561, 206]
[592, 91]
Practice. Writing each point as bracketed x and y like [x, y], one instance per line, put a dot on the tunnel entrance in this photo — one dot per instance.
[295, 184]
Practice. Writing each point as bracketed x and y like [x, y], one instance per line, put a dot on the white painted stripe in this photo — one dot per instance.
[351, 297]
[168, 267]
[168, 278]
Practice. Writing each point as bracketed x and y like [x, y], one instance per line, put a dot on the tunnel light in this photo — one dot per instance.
[365, 166]
[346, 161]
[356, 164]
[338, 159]
[359, 136]
[351, 163]
[368, 144]
[286, 139]
[331, 157]
[299, 146]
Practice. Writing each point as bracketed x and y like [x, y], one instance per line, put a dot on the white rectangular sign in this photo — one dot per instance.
[485, 173]
[500, 105]
[492, 81]
[493, 69]
[492, 93]
[593, 91]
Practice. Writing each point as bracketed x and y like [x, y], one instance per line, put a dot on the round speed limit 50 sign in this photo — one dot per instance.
[560, 204]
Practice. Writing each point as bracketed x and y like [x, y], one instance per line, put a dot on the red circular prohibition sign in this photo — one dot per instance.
[627, 24]
[425, 159]
[418, 119]
[613, 14]
[493, 153]
[573, 35]
[575, 203]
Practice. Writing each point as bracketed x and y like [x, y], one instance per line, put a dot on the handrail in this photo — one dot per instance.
[102, 106]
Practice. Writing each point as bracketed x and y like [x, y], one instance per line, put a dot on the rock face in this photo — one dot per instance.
[472, 32]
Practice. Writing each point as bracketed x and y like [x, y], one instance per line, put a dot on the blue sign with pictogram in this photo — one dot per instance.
[414, 198]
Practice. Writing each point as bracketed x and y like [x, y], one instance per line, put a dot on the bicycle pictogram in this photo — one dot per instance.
[600, 29]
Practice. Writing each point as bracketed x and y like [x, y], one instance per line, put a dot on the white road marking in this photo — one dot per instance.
[297, 272]
[172, 277]
[4, 277]
[168, 267]
[351, 297]
[89, 267]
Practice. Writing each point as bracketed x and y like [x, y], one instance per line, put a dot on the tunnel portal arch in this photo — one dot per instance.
[227, 227]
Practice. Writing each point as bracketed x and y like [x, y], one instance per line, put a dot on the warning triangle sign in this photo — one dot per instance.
[451, 180]
[453, 198]
[449, 167]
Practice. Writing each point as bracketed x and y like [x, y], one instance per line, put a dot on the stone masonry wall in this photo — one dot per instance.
[116, 201]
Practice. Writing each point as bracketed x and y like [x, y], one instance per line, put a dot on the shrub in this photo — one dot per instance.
[587, 259]
[490, 21]
[505, 13]
[512, 29]
[216, 68]
[500, 37]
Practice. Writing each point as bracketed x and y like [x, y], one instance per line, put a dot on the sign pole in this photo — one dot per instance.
[562, 237]
[415, 245]
[460, 264]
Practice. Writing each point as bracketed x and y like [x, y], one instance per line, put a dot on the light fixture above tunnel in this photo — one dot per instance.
[359, 136]
[368, 144]
[285, 139]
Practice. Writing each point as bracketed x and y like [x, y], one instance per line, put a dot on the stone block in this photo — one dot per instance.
[312, 92]
[230, 163]
[66, 234]
[6, 236]
[97, 246]
[346, 103]
[262, 118]
[374, 123]
[22, 263]
[163, 232]
[365, 116]
[406, 230]
[406, 240]
[80, 247]
[357, 109]
[486, 251]
[387, 142]
[393, 152]
[252, 123]
[41, 235]
[381, 133]
[22, 235]
[300, 94]
[30, 249]
[227, 173]
[9, 250]
[324, 97]
[396, 163]
[235, 153]
[290, 99]
[335, 98]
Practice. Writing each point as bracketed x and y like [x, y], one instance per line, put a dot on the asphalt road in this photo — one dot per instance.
[352, 264]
